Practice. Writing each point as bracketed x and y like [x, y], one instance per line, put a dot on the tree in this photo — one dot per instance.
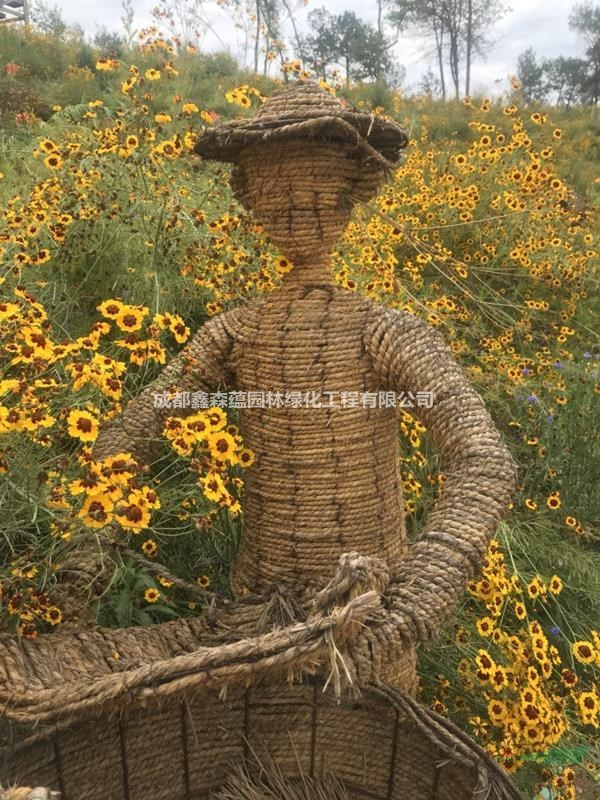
[109, 42]
[566, 79]
[531, 75]
[585, 20]
[320, 48]
[127, 20]
[458, 29]
[183, 19]
[344, 39]
[423, 17]
[49, 19]
[429, 84]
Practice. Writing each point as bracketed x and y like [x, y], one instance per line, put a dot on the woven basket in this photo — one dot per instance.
[382, 746]
[165, 711]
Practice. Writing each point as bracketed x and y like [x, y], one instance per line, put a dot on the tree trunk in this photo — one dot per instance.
[257, 42]
[295, 29]
[266, 58]
[469, 46]
[439, 46]
[454, 63]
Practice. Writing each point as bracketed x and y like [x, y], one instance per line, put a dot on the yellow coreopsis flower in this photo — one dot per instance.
[82, 425]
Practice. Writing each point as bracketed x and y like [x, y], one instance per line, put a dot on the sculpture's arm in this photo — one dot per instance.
[480, 474]
[200, 366]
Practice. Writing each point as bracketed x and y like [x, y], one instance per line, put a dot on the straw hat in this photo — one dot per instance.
[305, 111]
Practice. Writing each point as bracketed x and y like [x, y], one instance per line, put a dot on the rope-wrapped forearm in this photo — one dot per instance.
[237, 644]
[479, 471]
[200, 366]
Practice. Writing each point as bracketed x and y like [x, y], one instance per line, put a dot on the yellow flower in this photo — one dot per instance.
[134, 514]
[583, 651]
[520, 611]
[222, 446]
[53, 615]
[149, 548]
[283, 265]
[588, 706]
[216, 417]
[213, 486]
[497, 711]
[151, 595]
[485, 626]
[96, 511]
[553, 501]
[246, 457]
[555, 585]
[110, 308]
[8, 311]
[498, 678]
[484, 662]
[53, 161]
[82, 425]
[536, 587]
[47, 146]
[179, 329]
[130, 318]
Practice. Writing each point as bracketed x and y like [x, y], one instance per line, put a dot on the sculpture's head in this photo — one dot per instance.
[302, 163]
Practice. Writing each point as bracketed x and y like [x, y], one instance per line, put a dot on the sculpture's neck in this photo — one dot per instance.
[308, 271]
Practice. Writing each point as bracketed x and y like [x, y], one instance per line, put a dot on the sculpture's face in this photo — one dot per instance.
[303, 192]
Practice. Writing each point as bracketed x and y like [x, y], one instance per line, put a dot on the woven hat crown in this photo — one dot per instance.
[300, 101]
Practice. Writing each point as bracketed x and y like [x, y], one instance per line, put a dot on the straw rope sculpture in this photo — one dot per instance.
[326, 480]
[327, 591]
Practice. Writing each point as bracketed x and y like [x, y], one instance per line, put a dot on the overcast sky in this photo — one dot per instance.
[541, 24]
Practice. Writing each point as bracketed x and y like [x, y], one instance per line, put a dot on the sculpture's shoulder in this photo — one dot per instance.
[385, 325]
[237, 321]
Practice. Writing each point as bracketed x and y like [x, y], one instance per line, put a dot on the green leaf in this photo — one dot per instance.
[560, 756]
[123, 608]
[143, 618]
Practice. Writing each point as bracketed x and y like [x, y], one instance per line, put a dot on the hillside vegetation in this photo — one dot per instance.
[116, 243]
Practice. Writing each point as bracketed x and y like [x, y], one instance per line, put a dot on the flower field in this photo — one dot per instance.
[117, 243]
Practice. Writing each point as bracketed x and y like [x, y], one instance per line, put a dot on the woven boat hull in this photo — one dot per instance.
[384, 746]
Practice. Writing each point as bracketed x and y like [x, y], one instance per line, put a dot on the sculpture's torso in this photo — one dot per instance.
[325, 480]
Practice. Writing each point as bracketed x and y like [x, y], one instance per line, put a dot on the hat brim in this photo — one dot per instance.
[374, 137]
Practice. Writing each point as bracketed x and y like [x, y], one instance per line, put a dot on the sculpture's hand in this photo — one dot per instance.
[480, 473]
[200, 366]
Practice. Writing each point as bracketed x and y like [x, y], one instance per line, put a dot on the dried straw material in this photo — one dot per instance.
[326, 480]
[304, 111]
[70, 674]
[268, 783]
[384, 746]
[27, 793]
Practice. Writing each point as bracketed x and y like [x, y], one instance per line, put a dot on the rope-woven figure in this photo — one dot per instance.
[326, 481]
